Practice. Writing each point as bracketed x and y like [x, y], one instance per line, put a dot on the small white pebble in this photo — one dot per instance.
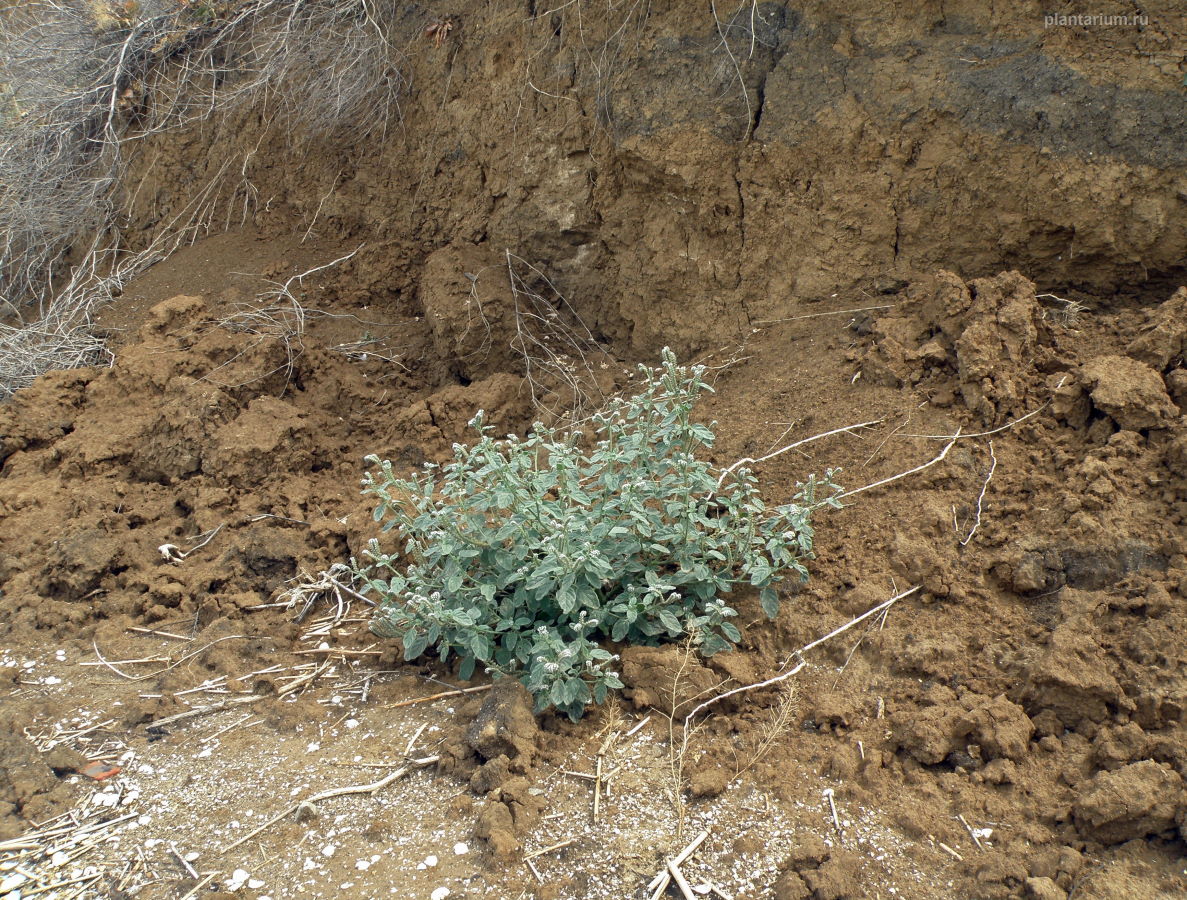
[255, 884]
[430, 861]
[12, 882]
[313, 747]
[328, 850]
[204, 754]
[461, 848]
[59, 858]
[324, 645]
[191, 856]
[352, 723]
[237, 880]
[362, 864]
[53, 679]
[440, 893]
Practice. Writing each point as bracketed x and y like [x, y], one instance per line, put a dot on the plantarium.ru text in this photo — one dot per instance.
[522, 554]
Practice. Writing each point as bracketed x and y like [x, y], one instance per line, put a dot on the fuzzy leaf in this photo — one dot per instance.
[770, 602]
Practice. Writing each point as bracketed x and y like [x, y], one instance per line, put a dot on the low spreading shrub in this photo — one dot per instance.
[522, 555]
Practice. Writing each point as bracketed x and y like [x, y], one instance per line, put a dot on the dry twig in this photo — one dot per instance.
[372, 788]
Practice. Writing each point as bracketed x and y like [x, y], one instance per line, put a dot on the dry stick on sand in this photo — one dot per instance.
[797, 656]
[971, 830]
[681, 881]
[660, 882]
[165, 634]
[203, 710]
[800, 443]
[927, 465]
[372, 788]
[599, 777]
[835, 312]
[295, 685]
[173, 665]
[981, 497]
[549, 849]
[440, 696]
[829, 795]
[206, 879]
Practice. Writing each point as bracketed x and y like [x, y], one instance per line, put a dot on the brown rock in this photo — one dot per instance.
[929, 734]
[1000, 771]
[1114, 747]
[1000, 727]
[64, 759]
[837, 879]
[491, 776]
[1165, 337]
[1176, 384]
[1134, 801]
[1030, 575]
[505, 725]
[496, 826]
[1072, 679]
[790, 886]
[1044, 889]
[666, 678]
[806, 850]
[709, 781]
[1130, 392]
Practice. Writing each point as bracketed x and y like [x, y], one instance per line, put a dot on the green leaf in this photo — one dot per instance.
[556, 694]
[566, 596]
[466, 670]
[770, 602]
[414, 643]
[670, 622]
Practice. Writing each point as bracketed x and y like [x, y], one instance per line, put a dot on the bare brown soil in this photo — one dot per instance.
[1016, 728]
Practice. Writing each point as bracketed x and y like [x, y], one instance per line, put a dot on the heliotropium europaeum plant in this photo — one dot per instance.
[524, 554]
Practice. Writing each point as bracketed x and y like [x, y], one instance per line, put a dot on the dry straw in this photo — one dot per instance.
[84, 89]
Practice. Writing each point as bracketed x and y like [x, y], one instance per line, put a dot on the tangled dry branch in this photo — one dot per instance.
[83, 81]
